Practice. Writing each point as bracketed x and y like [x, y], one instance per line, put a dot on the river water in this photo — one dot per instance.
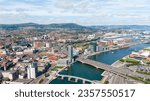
[88, 72]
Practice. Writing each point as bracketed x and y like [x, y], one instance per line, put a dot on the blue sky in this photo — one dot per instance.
[84, 12]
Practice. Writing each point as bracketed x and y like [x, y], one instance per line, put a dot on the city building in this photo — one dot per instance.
[32, 70]
[90, 37]
[70, 54]
[28, 51]
[47, 45]
[10, 74]
[92, 47]
[75, 52]
[101, 48]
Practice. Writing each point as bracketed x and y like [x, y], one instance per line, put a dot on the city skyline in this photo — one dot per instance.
[84, 12]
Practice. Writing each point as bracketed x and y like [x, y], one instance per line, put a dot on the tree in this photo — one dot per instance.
[46, 74]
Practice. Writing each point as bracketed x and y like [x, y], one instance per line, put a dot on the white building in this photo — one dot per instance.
[19, 53]
[3, 52]
[135, 53]
[32, 71]
[28, 51]
[11, 74]
[47, 45]
[75, 52]
[145, 53]
[90, 37]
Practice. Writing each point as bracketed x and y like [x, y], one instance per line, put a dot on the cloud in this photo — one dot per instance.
[88, 12]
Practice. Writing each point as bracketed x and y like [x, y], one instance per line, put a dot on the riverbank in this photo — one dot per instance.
[112, 49]
[135, 77]
[117, 64]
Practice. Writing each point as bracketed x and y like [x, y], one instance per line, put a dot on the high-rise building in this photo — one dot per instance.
[102, 48]
[32, 70]
[70, 54]
[93, 47]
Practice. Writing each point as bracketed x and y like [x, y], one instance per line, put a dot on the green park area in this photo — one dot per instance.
[146, 81]
[148, 48]
[57, 68]
[143, 72]
[129, 60]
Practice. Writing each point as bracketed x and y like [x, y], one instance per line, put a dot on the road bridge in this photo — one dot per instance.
[105, 67]
[76, 78]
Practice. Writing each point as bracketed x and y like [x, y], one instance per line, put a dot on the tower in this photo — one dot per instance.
[32, 70]
[93, 47]
[70, 54]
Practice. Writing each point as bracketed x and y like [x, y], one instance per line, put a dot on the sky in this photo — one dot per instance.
[84, 12]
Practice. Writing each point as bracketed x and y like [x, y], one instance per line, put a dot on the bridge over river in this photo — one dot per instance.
[76, 79]
[123, 72]
[105, 67]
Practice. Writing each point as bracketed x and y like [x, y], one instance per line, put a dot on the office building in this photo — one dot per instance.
[32, 70]
[70, 54]
[10, 74]
[93, 47]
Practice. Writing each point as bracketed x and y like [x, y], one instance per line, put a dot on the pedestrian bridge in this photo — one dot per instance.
[76, 79]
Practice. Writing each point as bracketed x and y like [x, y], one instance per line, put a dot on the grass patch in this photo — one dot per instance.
[146, 81]
[148, 49]
[148, 62]
[129, 60]
[57, 67]
[121, 60]
[136, 78]
[142, 72]
[46, 74]
[106, 82]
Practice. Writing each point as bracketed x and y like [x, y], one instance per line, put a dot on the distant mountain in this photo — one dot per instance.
[40, 26]
[72, 26]
[67, 26]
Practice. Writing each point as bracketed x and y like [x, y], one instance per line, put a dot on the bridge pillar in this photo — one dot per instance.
[62, 77]
[83, 81]
[76, 80]
[69, 78]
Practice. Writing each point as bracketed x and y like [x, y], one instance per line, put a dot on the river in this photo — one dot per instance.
[88, 72]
